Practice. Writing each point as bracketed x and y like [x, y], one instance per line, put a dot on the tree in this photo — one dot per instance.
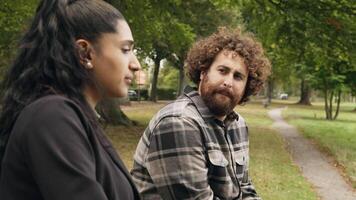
[333, 54]
[158, 32]
[14, 16]
[316, 38]
[166, 29]
[261, 18]
[203, 18]
[169, 76]
[110, 113]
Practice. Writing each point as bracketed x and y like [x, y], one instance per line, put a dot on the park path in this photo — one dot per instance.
[315, 166]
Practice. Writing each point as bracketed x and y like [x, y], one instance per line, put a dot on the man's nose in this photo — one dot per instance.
[228, 81]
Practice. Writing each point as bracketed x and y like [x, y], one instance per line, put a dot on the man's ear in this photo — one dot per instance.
[85, 51]
[202, 75]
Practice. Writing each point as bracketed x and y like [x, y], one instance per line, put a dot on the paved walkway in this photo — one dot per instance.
[316, 167]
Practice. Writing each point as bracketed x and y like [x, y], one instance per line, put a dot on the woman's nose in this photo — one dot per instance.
[134, 64]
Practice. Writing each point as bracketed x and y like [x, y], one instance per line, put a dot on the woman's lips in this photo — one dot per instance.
[128, 79]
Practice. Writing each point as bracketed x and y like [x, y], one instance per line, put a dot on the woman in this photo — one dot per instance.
[52, 147]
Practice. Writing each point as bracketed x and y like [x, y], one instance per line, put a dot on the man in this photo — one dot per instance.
[197, 146]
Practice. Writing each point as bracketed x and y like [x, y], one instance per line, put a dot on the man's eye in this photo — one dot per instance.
[223, 71]
[238, 77]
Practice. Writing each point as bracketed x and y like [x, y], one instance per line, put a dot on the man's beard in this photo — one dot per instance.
[219, 99]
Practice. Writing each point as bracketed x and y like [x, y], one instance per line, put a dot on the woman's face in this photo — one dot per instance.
[113, 61]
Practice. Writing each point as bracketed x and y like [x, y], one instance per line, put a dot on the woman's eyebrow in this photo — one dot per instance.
[127, 42]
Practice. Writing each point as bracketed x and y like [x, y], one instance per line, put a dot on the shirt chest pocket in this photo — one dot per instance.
[218, 173]
[241, 160]
[217, 158]
[217, 165]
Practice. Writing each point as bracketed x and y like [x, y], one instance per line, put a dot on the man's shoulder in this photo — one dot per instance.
[240, 120]
[180, 108]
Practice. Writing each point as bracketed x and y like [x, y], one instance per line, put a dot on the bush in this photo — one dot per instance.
[143, 93]
[162, 94]
[166, 94]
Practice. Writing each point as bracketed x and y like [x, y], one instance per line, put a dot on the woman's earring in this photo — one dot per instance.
[89, 65]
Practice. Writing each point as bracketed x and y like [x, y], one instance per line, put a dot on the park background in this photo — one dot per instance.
[310, 43]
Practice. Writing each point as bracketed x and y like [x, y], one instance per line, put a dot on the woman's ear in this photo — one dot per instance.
[85, 50]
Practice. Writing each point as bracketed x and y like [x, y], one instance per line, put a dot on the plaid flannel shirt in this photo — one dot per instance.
[186, 153]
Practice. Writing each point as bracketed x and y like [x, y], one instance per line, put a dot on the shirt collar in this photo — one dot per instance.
[204, 111]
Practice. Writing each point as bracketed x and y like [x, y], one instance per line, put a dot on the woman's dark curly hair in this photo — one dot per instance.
[203, 53]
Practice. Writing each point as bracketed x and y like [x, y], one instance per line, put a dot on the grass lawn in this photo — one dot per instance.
[271, 169]
[336, 138]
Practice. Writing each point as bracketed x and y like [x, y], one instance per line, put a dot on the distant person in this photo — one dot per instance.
[51, 145]
[197, 147]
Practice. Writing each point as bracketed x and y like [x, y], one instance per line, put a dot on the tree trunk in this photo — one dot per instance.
[178, 62]
[338, 104]
[305, 93]
[269, 90]
[153, 93]
[326, 105]
[181, 81]
[111, 113]
[331, 105]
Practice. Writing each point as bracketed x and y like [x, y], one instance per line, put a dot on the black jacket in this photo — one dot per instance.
[54, 153]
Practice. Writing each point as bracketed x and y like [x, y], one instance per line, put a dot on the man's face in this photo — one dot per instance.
[223, 85]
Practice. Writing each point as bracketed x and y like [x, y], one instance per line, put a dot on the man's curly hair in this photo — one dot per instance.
[203, 53]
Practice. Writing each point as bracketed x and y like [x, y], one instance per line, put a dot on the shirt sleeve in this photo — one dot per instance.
[60, 155]
[176, 161]
[248, 190]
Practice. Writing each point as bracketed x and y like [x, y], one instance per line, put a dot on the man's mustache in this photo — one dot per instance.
[225, 92]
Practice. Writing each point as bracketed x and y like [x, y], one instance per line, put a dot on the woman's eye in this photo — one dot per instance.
[126, 50]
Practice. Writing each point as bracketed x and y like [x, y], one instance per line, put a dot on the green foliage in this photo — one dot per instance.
[156, 29]
[168, 77]
[166, 94]
[167, 29]
[308, 40]
[312, 40]
[351, 81]
[14, 18]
